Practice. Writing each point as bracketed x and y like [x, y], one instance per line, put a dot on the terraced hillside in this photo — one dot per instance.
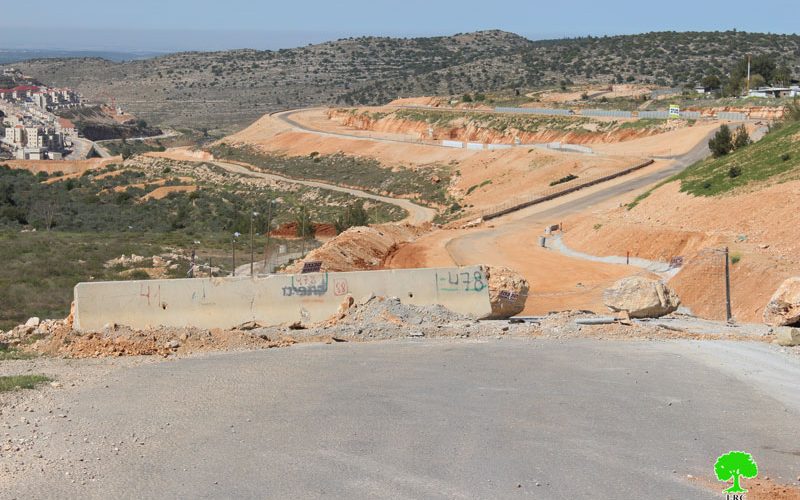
[233, 88]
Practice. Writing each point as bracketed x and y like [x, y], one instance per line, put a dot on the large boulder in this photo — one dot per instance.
[641, 297]
[508, 291]
[784, 307]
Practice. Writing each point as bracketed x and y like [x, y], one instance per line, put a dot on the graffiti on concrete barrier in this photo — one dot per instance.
[154, 295]
[340, 287]
[457, 281]
[307, 285]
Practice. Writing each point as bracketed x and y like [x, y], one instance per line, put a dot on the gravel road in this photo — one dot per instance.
[507, 418]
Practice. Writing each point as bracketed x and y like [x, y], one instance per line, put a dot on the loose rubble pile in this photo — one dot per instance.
[382, 318]
[369, 319]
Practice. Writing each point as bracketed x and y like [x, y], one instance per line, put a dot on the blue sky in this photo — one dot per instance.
[167, 25]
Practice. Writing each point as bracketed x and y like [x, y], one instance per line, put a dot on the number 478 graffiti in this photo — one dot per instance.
[461, 281]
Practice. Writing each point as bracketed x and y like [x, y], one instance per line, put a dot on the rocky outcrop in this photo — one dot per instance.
[641, 297]
[784, 307]
[508, 292]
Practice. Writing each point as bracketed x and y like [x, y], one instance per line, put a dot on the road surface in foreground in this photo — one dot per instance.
[507, 418]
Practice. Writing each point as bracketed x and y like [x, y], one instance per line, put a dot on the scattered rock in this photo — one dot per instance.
[33, 322]
[641, 297]
[173, 344]
[783, 309]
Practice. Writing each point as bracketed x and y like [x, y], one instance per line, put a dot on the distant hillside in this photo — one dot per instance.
[232, 88]
[8, 56]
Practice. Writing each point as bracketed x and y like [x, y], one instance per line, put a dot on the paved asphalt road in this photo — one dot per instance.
[430, 419]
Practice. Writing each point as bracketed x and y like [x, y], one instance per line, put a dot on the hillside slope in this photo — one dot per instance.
[704, 209]
[233, 88]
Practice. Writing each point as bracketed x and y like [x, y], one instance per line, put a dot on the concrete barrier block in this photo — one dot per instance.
[787, 336]
[272, 300]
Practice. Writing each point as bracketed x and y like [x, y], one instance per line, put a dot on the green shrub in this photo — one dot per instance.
[16, 382]
[722, 142]
[566, 178]
[353, 216]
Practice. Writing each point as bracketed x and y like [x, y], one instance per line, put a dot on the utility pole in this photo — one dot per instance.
[748, 74]
[728, 313]
[191, 269]
[233, 250]
[303, 230]
[269, 230]
[253, 215]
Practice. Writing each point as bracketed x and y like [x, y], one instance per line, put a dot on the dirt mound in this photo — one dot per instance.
[289, 230]
[64, 166]
[57, 338]
[359, 248]
[122, 341]
[164, 191]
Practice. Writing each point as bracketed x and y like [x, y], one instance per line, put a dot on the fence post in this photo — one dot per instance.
[728, 313]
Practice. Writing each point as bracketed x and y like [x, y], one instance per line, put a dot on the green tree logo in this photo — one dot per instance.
[734, 465]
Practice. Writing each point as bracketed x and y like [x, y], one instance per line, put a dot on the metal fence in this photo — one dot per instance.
[562, 146]
[690, 115]
[735, 117]
[611, 113]
[655, 115]
[536, 111]
[556, 191]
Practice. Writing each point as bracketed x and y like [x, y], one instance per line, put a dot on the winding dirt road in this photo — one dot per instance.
[417, 214]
